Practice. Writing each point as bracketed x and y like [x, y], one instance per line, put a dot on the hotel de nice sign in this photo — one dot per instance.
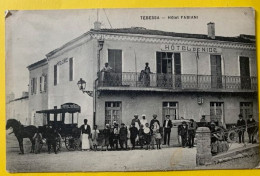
[188, 48]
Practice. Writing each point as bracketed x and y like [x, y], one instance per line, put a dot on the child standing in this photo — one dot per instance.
[95, 133]
[141, 136]
[147, 136]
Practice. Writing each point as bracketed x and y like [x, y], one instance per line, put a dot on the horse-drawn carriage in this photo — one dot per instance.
[64, 128]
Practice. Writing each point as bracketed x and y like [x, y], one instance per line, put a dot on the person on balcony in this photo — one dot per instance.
[147, 72]
[106, 74]
[144, 77]
[241, 125]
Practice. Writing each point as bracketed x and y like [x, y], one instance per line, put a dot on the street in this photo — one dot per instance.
[133, 160]
[174, 158]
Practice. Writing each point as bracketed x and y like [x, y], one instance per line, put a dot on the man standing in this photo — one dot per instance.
[203, 121]
[106, 70]
[154, 121]
[133, 135]
[123, 137]
[251, 128]
[136, 122]
[167, 124]
[143, 121]
[241, 124]
[191, 132]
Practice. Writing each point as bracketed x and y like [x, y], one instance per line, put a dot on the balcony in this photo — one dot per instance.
[171, 82]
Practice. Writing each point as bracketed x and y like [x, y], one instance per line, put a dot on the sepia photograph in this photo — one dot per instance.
[131, 90]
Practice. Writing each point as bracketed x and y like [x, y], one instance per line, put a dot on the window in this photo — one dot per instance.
[113, 112]
[216, 72]
[55, 75]
[164, 65]
[246, 109]
[170, 108]
[217, 113]
[71, 74]
[33, 85]
[115, 60]
[41, 84]
[245, 73]
[45, 83]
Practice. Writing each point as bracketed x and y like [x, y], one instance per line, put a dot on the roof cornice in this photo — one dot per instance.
[172, 40]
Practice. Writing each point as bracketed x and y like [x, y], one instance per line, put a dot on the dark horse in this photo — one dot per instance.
[21, 132]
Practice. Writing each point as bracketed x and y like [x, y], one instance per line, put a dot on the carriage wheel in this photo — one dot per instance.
[72, 143]
[232, 136]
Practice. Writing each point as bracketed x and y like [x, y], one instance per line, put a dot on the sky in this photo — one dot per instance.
[30, 35]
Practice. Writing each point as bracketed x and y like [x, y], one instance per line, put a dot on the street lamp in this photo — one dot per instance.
[82, 86]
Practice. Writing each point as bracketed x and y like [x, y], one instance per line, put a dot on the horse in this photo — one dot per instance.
[21, 132]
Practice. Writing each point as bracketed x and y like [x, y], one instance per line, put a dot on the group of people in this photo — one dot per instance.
[141, 133]
[249, 126]
[107, 77]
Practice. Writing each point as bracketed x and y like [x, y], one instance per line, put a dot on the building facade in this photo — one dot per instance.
[38, 92]
[189, 75]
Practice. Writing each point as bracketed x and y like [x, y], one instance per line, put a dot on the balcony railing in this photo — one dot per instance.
[171, 81]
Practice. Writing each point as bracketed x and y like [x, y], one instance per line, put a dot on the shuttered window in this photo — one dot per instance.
[115, 60]
[71, 69]
[55, 74]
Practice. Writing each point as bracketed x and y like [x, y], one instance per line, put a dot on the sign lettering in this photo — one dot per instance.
[187, 48]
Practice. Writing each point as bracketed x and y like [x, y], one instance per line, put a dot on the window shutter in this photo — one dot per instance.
[55, 74]
[71, 69]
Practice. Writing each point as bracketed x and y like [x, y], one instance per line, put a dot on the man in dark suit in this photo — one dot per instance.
[241, 125]
[251, 128]
[167, 125]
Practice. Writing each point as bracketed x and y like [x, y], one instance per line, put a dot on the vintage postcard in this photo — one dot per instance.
[131, 90]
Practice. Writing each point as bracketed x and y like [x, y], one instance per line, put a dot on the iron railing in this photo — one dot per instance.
[171, 81]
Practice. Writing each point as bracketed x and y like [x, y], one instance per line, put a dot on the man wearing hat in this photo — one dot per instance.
[167, 125]
[143, 121]
[251, 128]
[154, 121]
[241, 125]
[136, 122]
[123, 136]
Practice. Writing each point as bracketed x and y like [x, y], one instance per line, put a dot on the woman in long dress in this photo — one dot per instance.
[85, 135]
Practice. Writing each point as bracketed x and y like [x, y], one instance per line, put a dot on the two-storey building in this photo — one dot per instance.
[190, 75]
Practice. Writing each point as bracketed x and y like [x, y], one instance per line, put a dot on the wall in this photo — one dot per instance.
[85, 66]
[144, 52]
[150, 103]
[39, 100]
[18, 109]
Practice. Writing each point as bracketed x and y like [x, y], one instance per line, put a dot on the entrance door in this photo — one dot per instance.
[115, 61]
[171, 108]
[113, 112]
[245, 73]
[177, 70]
[216, 73]
[217, 113]
[164, 69]
[246, 109]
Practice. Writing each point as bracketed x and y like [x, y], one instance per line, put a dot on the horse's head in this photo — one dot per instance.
[12, 123]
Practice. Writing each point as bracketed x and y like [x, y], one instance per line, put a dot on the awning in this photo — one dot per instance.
[65, 108]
